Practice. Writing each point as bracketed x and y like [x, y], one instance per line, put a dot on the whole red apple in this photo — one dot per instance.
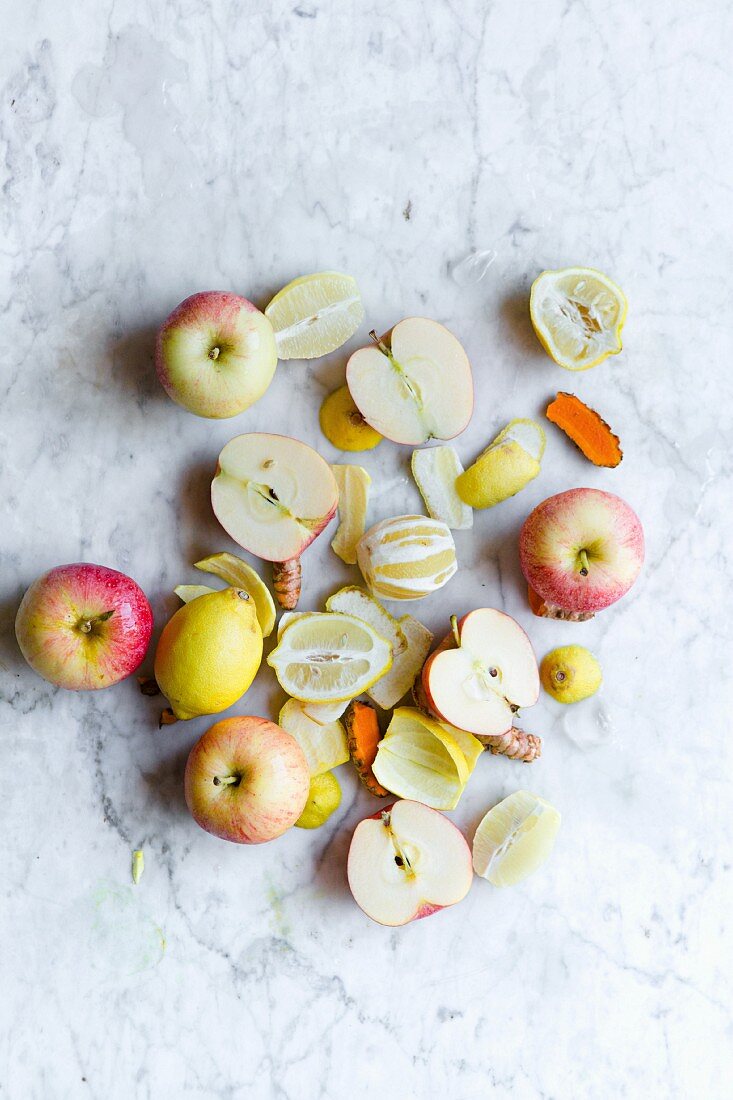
[84, 626]
[580, 551]
[246, 780]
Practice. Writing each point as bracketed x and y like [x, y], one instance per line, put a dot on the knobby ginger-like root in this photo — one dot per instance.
[545, 610]
[286, 576]
[363, 736]
[516, 744]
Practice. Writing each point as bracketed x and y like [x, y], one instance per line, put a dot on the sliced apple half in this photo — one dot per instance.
[407, 862]
[413, 385]
[482, 674]
[274, 495]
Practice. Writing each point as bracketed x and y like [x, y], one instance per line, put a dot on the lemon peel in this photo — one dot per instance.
[241, 575]
[505, 467]
[353, 485]
[324, 745]
[435, 470]
[324, 798]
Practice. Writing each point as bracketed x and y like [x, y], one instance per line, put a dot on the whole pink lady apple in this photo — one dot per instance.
[84, 626]
[580, 551]
[247, 780]
[216, 354]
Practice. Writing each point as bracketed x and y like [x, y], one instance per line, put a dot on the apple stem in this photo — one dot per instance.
[380, 344]
[87, 625]
[226, 780]
[584, 567]
[454, 628]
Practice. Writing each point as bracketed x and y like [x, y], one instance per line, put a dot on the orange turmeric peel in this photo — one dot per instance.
[586, 428]
[363, 736]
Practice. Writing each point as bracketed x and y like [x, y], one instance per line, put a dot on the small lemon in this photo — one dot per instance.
[209, 653]
[570, 673]
[324, 798]
[343, 425]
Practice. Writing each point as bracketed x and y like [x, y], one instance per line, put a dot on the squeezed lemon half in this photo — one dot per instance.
[578, 314]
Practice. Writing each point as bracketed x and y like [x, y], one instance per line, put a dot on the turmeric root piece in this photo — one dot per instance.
[545, 610]
[586, 428]
[516, 744]
[286, 577]
[363, 736]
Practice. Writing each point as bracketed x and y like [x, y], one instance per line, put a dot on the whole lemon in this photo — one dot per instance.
[343, 425]
[570, 673]
[209, 653]
[324, 797]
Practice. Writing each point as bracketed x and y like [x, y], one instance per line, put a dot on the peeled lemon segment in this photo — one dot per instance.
[324, 746]
[324, 798]
[422, 759]
[507, 465]
[353, 483]
[240, 575]
[435, 471]
[315, 314]
[388, 691]
[515, 838]
[325, 657]
[407, 557]
[578, 314]
[353, 600]
[188, 592]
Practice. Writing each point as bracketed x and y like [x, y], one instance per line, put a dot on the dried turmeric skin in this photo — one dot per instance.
[363, 735]
[286, 579]
[586, 428]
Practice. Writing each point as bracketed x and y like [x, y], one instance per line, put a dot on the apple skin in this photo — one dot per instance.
[216, 354]
[561, 527]
[273, 786]
[53, 617]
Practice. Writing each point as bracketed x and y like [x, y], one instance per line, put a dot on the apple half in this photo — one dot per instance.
[407, 862]
[274, 495]
[413, 385]
[482, 673]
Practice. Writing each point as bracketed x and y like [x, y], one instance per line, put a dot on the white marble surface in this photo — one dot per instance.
[151, 150]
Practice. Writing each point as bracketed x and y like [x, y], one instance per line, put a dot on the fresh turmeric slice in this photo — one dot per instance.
[586, 429]
[362, 733]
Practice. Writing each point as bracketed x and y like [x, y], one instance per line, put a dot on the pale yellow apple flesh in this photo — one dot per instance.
[273, 494]
[419, 387]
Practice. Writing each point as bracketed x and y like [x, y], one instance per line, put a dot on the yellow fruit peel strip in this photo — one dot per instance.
[241, 575]
[353, 485]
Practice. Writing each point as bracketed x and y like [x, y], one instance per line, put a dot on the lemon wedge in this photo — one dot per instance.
[240, 575]
[578, 314]
[425, 760]
[515, 838]
[315, 314]
[324, 746]
[326, 657]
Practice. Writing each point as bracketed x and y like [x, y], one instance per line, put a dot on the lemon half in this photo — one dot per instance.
[578, 314]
